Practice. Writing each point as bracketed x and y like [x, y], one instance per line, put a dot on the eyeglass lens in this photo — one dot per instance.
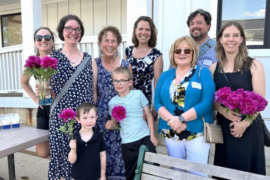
[120, 82]
[186, 51]
[46, 38]
[69, 29]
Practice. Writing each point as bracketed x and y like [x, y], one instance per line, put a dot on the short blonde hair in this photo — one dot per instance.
[191, 43]
[122, 70]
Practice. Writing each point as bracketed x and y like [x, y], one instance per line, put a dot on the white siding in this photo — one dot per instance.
[95, 14]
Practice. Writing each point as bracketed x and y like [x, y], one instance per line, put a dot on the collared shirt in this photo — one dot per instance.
[209, 57]
[87, 165]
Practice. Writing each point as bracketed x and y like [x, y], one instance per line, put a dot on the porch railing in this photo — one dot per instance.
[11, 61]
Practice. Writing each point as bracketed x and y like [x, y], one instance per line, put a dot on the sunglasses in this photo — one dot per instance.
[39, 38]
[186, 51]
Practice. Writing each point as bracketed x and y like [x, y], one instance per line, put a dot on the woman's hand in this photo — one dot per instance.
[175, 124]
[230, 115]
[238, 128]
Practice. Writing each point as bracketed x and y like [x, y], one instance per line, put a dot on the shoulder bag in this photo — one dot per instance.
[69, 82]
[212, 132]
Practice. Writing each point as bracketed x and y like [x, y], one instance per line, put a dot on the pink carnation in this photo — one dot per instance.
[67, 114]
[119, 113]
[33, 61]
[49, 62]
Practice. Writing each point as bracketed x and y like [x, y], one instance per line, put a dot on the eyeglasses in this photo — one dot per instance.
[186, 51]
[69, 29]
[115, 82]
[39, 38]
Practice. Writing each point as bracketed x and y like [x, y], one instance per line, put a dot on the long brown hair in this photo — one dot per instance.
[242, 61]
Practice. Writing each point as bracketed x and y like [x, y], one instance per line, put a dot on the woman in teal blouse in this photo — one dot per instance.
[185, 94]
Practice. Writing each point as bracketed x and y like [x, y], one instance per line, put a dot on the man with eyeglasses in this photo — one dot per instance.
[199, 23]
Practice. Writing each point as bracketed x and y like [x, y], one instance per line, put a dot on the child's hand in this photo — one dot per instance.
[154, 140]
[110, 124]
[73, 144]
[103, 177]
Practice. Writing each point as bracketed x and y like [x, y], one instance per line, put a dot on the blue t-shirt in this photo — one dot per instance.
[133, 127]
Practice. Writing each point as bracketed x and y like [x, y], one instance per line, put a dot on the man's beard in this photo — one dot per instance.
[200, 37]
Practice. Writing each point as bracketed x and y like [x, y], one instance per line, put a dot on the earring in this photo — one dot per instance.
[220, 45]
[101, 53]
[240, 44]
[117, 54]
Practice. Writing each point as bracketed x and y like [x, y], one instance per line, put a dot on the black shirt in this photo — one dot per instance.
[87, 165]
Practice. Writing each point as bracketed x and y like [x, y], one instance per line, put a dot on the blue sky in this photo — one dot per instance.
[243, 9]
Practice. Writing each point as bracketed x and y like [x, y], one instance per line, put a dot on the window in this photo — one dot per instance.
[11, 30]
[254, 16]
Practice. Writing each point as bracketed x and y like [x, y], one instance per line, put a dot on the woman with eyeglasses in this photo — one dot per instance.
[109, 39]
[70, 30]
[145, 59]
[44, 43]
[184, 95]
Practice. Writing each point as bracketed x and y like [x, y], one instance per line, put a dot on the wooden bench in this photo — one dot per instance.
[147, 171]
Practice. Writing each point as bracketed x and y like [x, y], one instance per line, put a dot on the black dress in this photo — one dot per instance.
[245, 153]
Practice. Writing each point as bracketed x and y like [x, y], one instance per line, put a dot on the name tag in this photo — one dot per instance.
[147, 60]
[207, 62]
[196, 85]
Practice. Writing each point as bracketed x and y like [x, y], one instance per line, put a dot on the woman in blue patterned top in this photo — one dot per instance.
[184, 95]
[145, 59]
[109, 39]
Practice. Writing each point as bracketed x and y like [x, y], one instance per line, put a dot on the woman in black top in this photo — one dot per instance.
[44, 43]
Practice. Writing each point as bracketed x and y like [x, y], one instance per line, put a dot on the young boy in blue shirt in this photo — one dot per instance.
[134, 129]
[87, 153]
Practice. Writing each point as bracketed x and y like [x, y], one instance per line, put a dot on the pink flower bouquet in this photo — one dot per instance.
[42, 69]
[244, 102]
[119, 114]
[68, 115]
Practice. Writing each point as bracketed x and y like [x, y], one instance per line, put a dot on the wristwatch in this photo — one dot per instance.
[181, 119]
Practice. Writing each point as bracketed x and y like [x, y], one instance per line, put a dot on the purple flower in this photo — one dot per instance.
[119, 113]
[48, 62]
[33, 61]
[67, 114]
[248, 106]
[221, 95]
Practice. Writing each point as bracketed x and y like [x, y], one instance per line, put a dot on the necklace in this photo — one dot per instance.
[72, 63]
[141, 50]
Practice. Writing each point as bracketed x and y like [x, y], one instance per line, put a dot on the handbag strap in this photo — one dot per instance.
[226, 78]
[206, 47]
[69, 82]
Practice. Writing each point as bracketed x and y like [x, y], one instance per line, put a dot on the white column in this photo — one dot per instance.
[135, 9]
[31, 20]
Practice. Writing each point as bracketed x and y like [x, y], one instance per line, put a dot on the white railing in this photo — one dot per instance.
[11, 68]
[11, 63]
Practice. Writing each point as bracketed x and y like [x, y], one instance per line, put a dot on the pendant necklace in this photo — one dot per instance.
[141, 50]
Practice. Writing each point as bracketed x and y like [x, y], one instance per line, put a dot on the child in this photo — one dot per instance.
[134, 130]
[87, 153]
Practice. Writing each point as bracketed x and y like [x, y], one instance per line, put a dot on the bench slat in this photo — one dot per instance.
[151, 177]
[203, 168]
[170, 173]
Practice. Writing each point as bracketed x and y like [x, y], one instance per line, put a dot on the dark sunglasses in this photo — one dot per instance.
[186, 51]
[39, 38]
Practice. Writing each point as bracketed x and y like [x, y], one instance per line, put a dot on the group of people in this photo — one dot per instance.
[183, 97]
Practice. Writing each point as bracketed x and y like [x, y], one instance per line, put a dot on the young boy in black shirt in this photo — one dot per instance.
[87, 153]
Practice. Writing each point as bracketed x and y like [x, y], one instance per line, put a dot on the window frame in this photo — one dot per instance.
[266, 40]
[2, 32]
